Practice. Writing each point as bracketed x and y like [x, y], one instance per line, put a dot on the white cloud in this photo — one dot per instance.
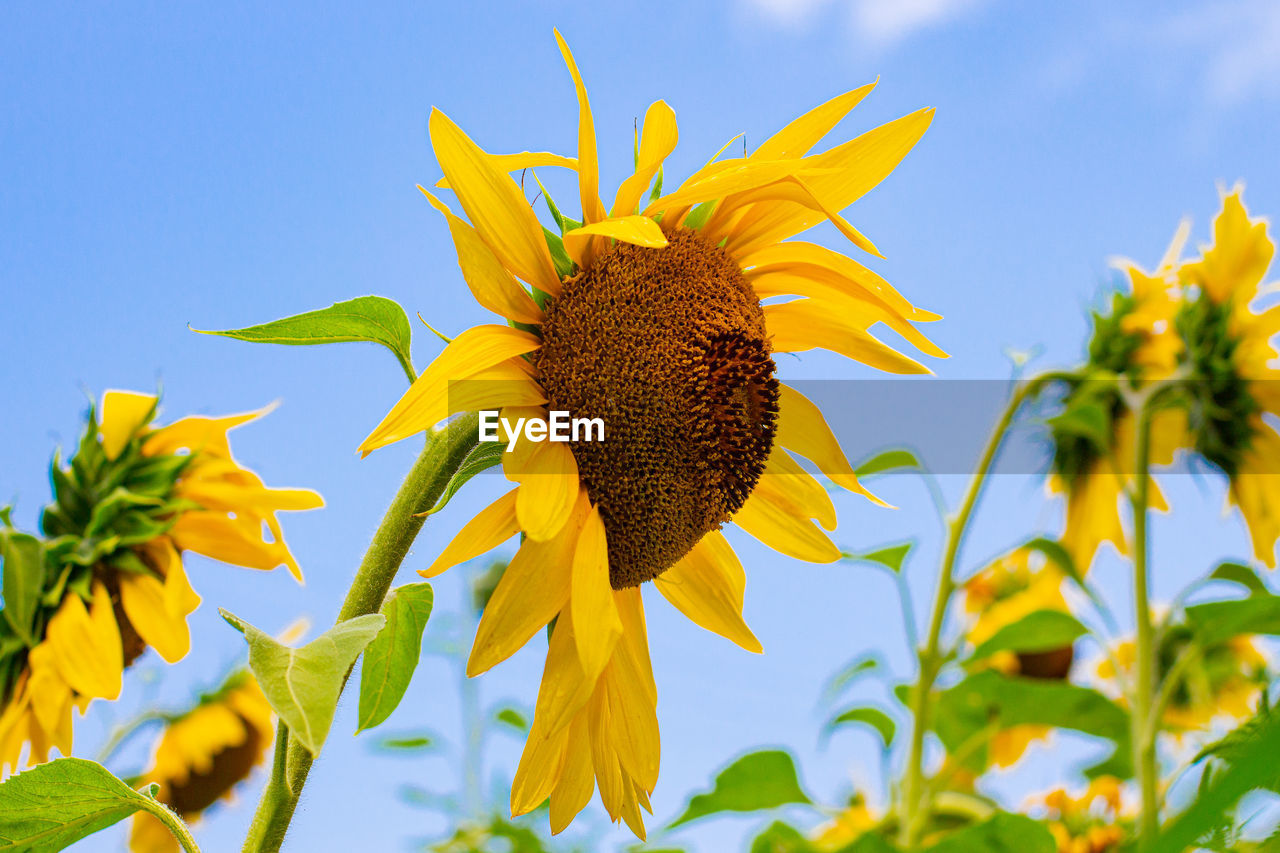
[1235, 44]
[881, 22]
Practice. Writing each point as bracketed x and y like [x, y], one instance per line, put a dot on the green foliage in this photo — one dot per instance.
[512, 718]
[1000, 833]
[864, 664]
[865, 715]
[302, 685]
[406, 743]
[890, 557]
[23, 557]
[392, 657]
[991, 700]
[756, 781]
[1239, 573]
[481, 458]
[1039, 631]
[371, 319]
[54, 805]
[1216, 621]
[887, 462]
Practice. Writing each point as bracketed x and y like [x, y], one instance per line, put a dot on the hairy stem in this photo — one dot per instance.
[420, 490]
[915, 811]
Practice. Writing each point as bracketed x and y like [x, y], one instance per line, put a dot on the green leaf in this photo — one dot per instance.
[54, 805]
[989, 698]
[852, 671]
[1058, 555]
[1217, 621]
[756, 781]
[391, 658]
[889, 460]
[23, 556]
[302, 685]
[891, 557]
[779, 837]
[1085, 419]
[865, 715]
[1239, 573]
[407, 742]
[481, 458]
[1000, 833]
[513, 718]
[1039, 631]
[373, 319]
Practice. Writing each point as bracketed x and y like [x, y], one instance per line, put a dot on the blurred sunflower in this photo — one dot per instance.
[1012, 587]
[849, 824]
[203, 754]
[1134, 341]
[1224, 680]
[650, 317]
[1228, 354]
[131, 500]
[1095, 822]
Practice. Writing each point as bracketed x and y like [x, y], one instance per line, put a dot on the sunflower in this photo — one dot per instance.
[1225, 680]
[1010, 588]
[1134, 341]
[856, 819]
[203, 754]
[648, 315]
[1228, 354]
[133, 498]
[1094, 822]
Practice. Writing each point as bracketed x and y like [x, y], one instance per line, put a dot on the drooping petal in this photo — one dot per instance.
[548, 490]
[639, 230]
[740, 177]
[230, 540]
[199, 434]
[604, 758]
[86, 645]
[657, 142]
[124, 415]
[803, 133]
[804, 324]
[787, 482]
[792, 189]
[490, 283]
[472, 352]
[534, 588]
[490, 527]
[497, 209]
[144, 602]
[707, 586]
[595, 616]
[630, 605]
[524, 160]
[588, 165]
[539, 770]
[633, 721]
[778, 527]
[803, 430]
[565, 687]
[577, 779]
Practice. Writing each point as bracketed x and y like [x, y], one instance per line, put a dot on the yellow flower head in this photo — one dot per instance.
[649, 315]
[1228, 354]
[203, 755]
[1094, 822]
[130, 501]
[850, 824]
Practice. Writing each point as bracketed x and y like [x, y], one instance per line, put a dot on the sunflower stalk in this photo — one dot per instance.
[426, 481]
[1144, 727]
[915, 809]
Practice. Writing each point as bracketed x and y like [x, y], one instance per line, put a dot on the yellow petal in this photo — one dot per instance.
[565, 688]
[856, 167]
[633, 722]
[539, 770]
[1256, 492]
[533, 589]
[638, 230]
[803, 133]
[236, 497]
[787, 482]
[124, 415]
[490, 527]
[776, 526]
[630, 606]
[490, 283]
[656, 144]
[50, 694]
[740, 177]
[472, 352]
[806, 324]
[577, 779]
[604, 759]
[199, 433]
[219, 537]
[144, 601]
[523, 160]
[548, 489]
[803, 430]
[497, 209]
[588, 166]
[631, 812]
[595, 616]
[707, 586]
[792, 189]
[86, 645]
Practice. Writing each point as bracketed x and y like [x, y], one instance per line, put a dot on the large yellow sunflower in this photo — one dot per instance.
[649, 316]
[1229, 352]
[132, 499]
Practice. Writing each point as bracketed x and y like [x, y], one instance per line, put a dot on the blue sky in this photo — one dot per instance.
[165, 164]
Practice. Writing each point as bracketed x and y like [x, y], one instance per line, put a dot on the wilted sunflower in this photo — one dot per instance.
[1095, 822]
[649, 316]
[131, 500]
[1009, 589]
[1133, 342]
[1227, 355]
[203, 754]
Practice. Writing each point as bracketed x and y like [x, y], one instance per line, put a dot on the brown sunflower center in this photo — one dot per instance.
[667, 347]
[228, 767]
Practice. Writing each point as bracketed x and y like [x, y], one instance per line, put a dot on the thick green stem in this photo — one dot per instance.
[1143, 727]
[179, 829]
[915, 811]
[420, 490]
